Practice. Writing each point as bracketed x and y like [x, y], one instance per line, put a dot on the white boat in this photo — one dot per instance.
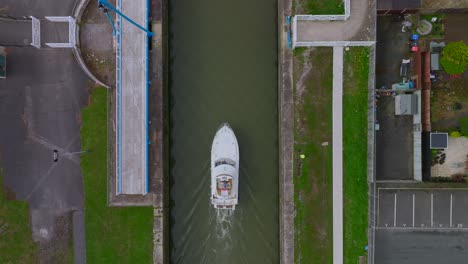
[224, 169]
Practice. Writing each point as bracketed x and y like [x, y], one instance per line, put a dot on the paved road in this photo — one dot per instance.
[40, 104]
[420, 247]
[337, 154]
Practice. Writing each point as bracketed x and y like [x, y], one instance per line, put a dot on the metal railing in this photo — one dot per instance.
[118, 93]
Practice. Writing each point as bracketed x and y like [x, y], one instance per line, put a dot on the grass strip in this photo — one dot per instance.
[113, 234]
[355, 77]
[321, 7]
[313, 173]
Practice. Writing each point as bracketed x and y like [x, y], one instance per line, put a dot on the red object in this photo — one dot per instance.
[455, 76]
[414, 49]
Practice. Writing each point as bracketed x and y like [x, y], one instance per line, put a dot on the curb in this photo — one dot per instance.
[78, 11]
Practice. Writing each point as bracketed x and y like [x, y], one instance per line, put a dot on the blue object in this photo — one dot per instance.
[367, 248]
[415, 37]
[288, 23]
[114, 31]
[104, 3]
[411, 84]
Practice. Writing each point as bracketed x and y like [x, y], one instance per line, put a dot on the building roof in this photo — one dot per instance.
[435, 61]
[439, 140]
[398, 4]
[406, 104]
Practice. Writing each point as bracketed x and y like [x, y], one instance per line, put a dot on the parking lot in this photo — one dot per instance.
[424, 209]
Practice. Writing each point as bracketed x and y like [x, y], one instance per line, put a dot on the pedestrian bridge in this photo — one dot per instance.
[132, 99]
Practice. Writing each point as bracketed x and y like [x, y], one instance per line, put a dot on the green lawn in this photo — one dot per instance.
[113, 235]
[16, 244]
[355, 87]
[321, 7]
[313, 174]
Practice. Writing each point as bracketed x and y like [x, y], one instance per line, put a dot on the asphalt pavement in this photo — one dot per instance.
[40, 103]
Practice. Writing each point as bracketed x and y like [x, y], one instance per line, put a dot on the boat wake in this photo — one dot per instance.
[223, 223]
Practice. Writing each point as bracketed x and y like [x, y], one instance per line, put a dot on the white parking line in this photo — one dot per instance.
[432, 209]
[451, 202]
[394, 210]
[413, 209]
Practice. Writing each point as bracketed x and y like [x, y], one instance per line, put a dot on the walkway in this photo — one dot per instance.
[132, 97]
[337, 154]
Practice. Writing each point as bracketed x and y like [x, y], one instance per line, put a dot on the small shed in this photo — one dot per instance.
[406, 104]
[439, 140]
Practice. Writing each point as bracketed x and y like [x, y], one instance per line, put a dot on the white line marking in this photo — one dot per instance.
[378, 207]
[432, 209]
[442, 189]
[394, 210]
[465, 229]
[451, 202]
[413, 209]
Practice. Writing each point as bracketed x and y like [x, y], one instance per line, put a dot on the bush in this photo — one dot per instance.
[455, 134]
[457, 106]
[458, 178]
[455, 57]
[464, 125]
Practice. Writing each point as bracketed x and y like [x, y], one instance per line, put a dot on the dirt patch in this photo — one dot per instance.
[59, 248]
[455, 27]
[449, 102]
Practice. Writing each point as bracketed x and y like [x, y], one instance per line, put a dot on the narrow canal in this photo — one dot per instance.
[223, 68]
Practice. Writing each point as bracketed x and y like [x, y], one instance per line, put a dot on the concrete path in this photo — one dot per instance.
[355, 28]
[338, 155]
[132, 96]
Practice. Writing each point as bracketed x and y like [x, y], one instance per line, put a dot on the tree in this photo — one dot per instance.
[455, 57]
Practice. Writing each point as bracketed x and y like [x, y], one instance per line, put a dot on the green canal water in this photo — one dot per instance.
[223, 68]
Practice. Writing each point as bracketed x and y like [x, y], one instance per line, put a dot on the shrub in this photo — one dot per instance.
[457, 106]
[458, 178]
[455, 134]
[455, 57]
[464, 125]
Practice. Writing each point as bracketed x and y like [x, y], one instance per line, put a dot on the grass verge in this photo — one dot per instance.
[16, 243]
[355, 87]
[313, 174]
[113, 235]
[320, 7]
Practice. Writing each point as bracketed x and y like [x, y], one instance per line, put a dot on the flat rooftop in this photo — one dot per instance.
[132, 98]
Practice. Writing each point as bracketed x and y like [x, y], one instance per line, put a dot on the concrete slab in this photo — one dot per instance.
[132, 100]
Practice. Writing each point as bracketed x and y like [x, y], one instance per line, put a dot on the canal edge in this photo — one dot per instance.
[286, 134]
